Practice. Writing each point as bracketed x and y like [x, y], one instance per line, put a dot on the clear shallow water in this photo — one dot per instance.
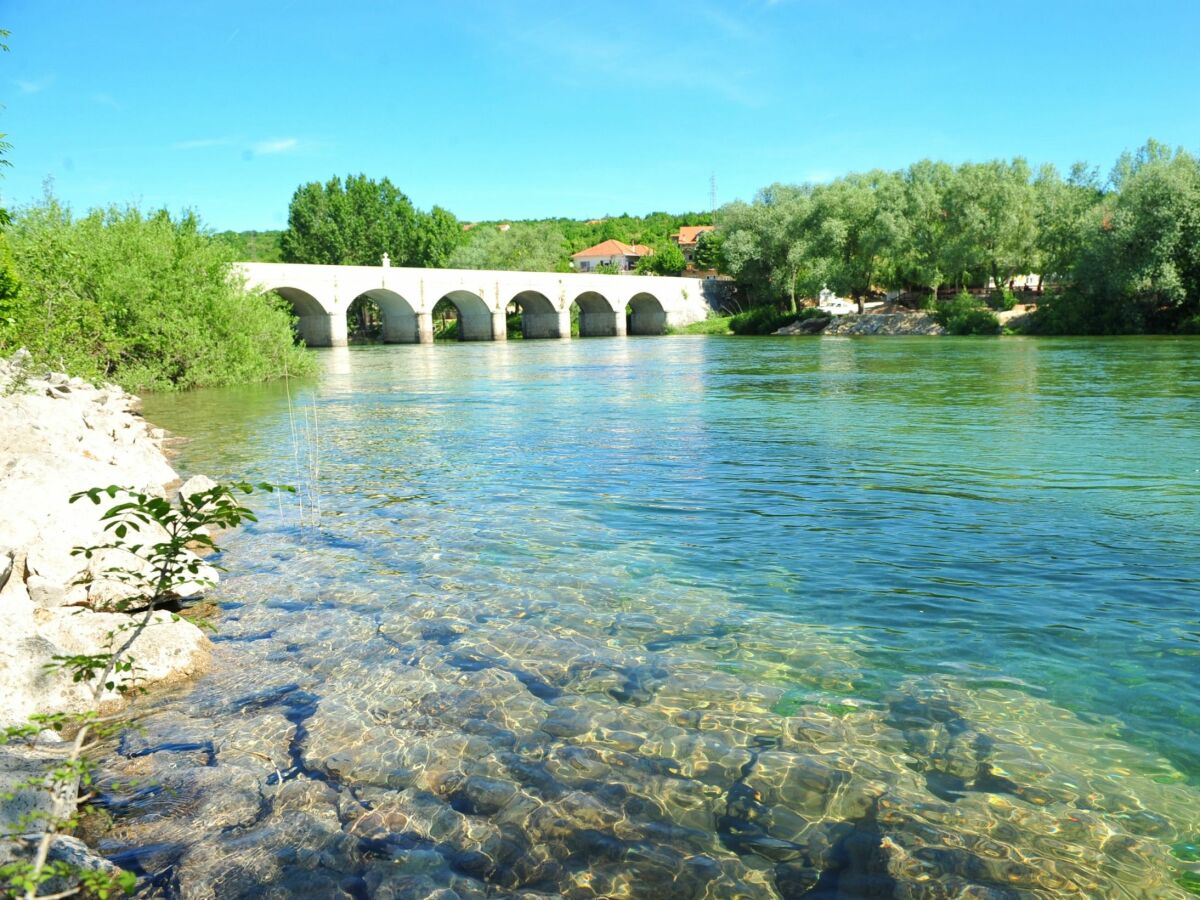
[695, 617]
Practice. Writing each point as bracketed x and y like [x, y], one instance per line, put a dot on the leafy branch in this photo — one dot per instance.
[156, 539]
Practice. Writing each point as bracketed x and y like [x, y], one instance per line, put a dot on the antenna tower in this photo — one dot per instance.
[712, 194]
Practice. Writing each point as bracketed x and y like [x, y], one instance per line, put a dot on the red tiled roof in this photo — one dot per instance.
[613, 247]
[689, 234]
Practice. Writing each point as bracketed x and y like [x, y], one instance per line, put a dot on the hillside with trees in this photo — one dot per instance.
[356, 220]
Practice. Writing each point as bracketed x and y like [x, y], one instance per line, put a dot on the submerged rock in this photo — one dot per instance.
[599, 753]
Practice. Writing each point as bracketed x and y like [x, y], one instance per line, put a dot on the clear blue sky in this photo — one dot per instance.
[530, 109]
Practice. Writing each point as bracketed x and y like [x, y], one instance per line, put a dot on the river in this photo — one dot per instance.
[692, 617]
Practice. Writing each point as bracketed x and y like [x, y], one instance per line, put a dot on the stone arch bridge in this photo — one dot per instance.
[321, 295]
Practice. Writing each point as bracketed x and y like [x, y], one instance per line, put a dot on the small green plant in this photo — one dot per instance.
[16, 379]
[149, 553]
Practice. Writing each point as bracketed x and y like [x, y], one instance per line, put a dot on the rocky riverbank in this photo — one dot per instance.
[867, 324]
[60, 435]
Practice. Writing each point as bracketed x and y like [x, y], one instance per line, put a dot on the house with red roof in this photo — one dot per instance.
[611, 252]
[688, 236]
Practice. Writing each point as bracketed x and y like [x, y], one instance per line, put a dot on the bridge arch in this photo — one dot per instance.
[315, 325]
[399, 315]
[302, 302]
[597, 315]
[647, 315]
[319, 295]
[539, 316]
[474, 317]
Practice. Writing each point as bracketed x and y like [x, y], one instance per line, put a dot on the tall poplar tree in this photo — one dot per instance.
[355, 222]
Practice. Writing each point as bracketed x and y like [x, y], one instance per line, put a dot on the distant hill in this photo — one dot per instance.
[653, 229]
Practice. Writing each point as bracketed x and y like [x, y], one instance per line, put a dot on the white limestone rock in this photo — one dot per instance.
[195, 485]
[60, 436]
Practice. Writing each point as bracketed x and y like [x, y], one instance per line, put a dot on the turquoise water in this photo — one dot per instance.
[957, 575]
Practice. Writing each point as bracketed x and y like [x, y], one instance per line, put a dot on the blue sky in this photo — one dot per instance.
[530, 109]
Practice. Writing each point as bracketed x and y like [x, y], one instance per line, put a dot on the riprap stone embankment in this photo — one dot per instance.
[869, 323]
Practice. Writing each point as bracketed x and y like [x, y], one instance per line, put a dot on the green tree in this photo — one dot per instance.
[254, 246]
[1139, 265]
[353, 223]
[438, 235]
[667, 259]
[707, 254]
[12, 308]
[993, 221]
[524, 247]
[10, 285]
[924, 257]
[1062, 208]
[859, 231]
[767, 244]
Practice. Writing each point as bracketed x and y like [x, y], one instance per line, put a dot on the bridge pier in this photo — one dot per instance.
[424, 328]
[554, 324]
[399, 328]
[321, 330]
[500, 325]
[601, 324]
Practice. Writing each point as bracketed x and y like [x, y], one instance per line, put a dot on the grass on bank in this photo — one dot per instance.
[711, 325]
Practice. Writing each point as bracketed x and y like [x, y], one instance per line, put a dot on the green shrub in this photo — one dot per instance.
[1190, 325]
[962, 314]
[143, 300]
[1073, 312]
[667, 259]
[977, 321]
[760, 320]
[1003, 299]
[812, 312]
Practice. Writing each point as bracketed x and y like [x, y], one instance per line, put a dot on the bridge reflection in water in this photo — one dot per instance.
[609, 305]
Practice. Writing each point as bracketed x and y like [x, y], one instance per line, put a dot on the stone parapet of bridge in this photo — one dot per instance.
[608, 304]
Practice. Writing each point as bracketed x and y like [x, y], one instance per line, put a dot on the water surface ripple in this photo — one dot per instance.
[693, 617]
